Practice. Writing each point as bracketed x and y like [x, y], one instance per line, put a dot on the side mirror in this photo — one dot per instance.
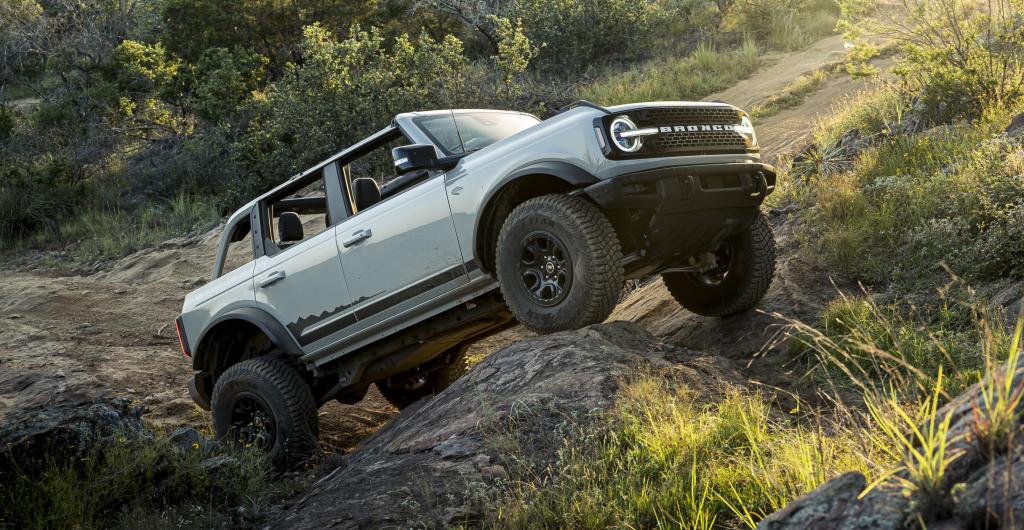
[417, 157]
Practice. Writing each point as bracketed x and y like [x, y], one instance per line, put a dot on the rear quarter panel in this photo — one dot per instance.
[223, 295]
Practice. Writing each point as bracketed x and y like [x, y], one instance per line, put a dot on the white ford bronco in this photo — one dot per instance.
[381, 264]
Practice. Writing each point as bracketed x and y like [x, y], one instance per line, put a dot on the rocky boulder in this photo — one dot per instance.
[985, 487]
[436, 460]
[66, 430]
[1016, 127]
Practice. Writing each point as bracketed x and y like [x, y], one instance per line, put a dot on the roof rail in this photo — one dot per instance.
[585, 103]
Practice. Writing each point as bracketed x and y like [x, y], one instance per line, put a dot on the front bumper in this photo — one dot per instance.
[680, 211]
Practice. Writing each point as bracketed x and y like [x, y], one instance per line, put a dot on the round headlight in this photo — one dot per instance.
[628, 144]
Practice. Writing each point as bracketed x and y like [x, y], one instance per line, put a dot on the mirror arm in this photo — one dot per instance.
[448, 162]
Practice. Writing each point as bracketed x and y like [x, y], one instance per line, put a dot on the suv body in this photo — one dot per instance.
[408, 272]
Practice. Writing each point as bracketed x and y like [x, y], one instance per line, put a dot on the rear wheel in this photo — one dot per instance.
[743, 271]
[409, 387]
[559, 263]
[265, 403]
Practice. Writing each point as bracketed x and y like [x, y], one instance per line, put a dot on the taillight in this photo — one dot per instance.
[181, 337]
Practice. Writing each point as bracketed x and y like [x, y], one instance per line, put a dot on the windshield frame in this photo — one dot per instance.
[418, 121]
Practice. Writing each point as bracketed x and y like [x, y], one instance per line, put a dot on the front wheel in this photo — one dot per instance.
[743, 271]
[265, 403]
[559, 264]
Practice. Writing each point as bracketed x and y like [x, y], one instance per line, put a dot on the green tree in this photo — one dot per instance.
[270, 27]
[224, 79]
[340, 92]
[515, 51]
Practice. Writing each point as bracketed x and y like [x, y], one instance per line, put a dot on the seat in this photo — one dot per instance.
[365, 193]
[289, 228]
[402, 183]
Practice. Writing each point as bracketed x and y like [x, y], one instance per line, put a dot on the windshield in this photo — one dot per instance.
[475, 130]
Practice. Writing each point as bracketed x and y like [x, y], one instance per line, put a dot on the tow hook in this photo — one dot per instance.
[754, 185]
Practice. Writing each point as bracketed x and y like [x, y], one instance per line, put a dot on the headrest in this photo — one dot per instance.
[365, 193]
[289, 227]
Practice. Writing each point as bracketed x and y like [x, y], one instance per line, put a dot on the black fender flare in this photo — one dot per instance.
[571, 174]
[263, 321]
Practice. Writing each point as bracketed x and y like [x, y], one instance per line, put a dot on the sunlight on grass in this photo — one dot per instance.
[665, 459]
[703, 72]
[791, 96]
[921, 440]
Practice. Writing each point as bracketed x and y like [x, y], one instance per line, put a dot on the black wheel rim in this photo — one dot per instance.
[717, 274]
[545, 268]
[252, 422]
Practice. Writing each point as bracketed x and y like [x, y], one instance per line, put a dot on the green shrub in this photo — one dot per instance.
[965, 56]
[572, 35]
[6, 123]
[951, 195]
[34, 196]
[342, 91]
[224, 79]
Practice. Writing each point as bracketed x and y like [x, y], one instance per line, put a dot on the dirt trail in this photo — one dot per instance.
[111, 333]
[781, 72]
[790, 129]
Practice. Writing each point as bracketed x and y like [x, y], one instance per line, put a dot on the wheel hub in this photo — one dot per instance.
[252, 422]
[545, 268]
[718, 263]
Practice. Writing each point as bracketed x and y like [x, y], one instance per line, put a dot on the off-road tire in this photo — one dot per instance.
[436, 381]
[749, 276]
[595, 260]
[288, 398]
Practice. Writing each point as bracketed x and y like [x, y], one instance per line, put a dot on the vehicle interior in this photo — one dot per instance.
[297, 216]
[370, 178]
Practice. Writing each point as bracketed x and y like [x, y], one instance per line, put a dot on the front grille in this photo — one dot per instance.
[685, 141]
[687, 116]
[673, 138]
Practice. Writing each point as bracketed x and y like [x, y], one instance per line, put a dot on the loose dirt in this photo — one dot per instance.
[111, 333]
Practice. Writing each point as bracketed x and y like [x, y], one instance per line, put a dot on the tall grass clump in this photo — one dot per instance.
[665, 459]
[702, 72]
[921, 439]
[997, 413]
[866, 345]
[783, 24]
[910, 422]
[102, 233]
